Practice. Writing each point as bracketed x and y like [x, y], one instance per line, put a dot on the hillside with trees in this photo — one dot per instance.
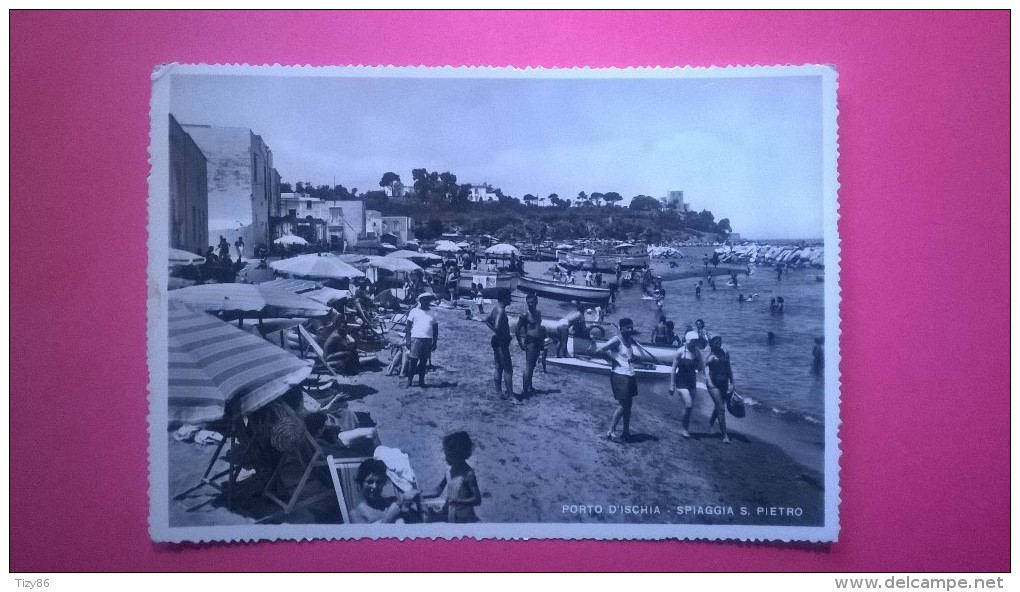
[439, 204]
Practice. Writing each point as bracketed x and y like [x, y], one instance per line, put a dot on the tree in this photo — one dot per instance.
[388, 179]
[612, 197]
[582, 199]
[724, 225]
[643, 203]
[529, 199]
[596, 198]
[300, 187]
[286, 188]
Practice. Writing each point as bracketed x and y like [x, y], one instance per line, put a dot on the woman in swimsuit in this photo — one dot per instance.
[686, 365]
[720, 383]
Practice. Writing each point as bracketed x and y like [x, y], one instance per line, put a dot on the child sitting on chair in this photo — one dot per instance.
[459, 487]
[377, 508]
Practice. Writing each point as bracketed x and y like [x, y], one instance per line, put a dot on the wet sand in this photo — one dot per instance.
[542, 460]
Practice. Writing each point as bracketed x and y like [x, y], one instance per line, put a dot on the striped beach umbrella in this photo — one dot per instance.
[248, 300]
[212, 363]
[181, 257]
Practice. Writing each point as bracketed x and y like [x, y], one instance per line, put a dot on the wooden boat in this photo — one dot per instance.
[602, 367]
[645, 352]
[604, 262]
[487, 279]
[562, 292]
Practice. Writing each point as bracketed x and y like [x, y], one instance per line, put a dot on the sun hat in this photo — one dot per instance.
[692, 336]
[426, 296]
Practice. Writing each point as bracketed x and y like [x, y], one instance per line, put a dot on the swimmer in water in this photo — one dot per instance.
[741, 299]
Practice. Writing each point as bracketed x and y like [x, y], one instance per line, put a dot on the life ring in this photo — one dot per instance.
[597, 332]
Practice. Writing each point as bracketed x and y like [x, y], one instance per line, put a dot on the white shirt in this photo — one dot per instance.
[622, 354]
[421, 323]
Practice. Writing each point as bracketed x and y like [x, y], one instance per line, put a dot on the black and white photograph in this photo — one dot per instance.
[493, 303]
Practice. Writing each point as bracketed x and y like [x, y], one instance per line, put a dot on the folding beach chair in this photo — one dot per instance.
[311, 454]
[344, 472]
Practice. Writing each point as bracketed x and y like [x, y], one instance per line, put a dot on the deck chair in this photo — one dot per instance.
[321, 367]
[311, 454]
[230, 451]
[344, 472]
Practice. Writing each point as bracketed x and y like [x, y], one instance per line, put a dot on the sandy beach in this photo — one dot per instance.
[543, 460]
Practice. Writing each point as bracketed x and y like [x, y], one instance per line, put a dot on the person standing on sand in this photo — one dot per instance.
[622, 379]
[572, 322]
[422, 336]
[683, 378]
[531, 337]
[498, 322]
[459, 487]
[239, 245]
[818, 353]
[719, 380]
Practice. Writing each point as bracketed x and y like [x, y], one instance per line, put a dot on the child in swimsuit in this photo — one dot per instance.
[459, 488]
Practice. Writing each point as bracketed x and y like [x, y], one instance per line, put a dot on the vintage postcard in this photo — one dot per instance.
[493, 303]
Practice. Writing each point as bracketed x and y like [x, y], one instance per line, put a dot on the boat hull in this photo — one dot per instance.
[603, 368]
[562, 292]
[658, 354]
[604, 263]
[487, 280]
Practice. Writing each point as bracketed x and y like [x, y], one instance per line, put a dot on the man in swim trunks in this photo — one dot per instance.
[531, 337]
[498, 322]
[422, 336]
[619, 351]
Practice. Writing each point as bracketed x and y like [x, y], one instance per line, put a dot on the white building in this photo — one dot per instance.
[483, 192]
[675, 198]
[241, 183]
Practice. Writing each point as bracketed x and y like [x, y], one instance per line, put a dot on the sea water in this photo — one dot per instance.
[775, 378]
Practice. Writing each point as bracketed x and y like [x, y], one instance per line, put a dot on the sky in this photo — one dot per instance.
[746, 148]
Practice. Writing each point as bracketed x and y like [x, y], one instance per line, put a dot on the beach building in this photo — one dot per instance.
[401, 227]
[189, 195]
[346, 222]
[301, 215]
[373, 223]
[242, 186]
[483, 192]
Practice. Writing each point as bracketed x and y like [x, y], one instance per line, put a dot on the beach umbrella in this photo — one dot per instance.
[502, 249]
[290, 239]
[353, 258]
[291, 285]
[624, 246]
[413, 256]
[464, 245]
[447, 248]
[248, 300]
[388, 247]
[394, 264]
[181, 257]
[212, 363]
[564, 247]
[316, 266]
[327, 295]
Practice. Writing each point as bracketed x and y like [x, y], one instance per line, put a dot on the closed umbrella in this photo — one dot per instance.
[212, 363]
[316, 266]
[290, 239]
[181, 257]
[502, 249]
[248, 300]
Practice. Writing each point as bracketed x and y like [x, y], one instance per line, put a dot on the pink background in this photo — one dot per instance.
[924, 168]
